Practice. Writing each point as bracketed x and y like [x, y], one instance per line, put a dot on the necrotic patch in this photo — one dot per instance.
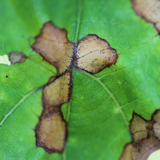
[126, 155]
[138, 128]
[17, 57]
[58, 91]
[92, 54]
[149, 10]
[52, 44]
[51, 130]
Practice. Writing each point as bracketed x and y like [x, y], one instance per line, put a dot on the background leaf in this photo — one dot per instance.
[101, 105]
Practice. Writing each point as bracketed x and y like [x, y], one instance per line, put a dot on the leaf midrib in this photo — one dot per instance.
[110, 94]
[64, 157]
[76, 38]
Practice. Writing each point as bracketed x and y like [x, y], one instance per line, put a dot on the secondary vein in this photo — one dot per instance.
[109, 92]
[10, 112]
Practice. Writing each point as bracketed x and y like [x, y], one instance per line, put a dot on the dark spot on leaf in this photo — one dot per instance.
[6, 76]
[17, 57]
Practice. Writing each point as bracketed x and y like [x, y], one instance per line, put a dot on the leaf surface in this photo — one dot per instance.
[101, 104]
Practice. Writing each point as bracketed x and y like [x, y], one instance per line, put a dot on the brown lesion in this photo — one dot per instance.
[126, 155]
[17, 57]
[145, 138]
[51, 132]
[51, 129]
[138, 127]
[149, 10]
[92, 54]
[156, 126]
[58, 91]
[53, 45]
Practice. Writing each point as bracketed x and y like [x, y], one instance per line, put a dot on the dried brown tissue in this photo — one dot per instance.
[149, 10]
[92, 54]
[146, 138]
[17, 57]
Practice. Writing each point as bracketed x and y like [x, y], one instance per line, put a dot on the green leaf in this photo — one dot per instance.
[101, 105]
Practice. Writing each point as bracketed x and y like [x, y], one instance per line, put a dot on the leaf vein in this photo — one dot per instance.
[10, 112]
[109, 92]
